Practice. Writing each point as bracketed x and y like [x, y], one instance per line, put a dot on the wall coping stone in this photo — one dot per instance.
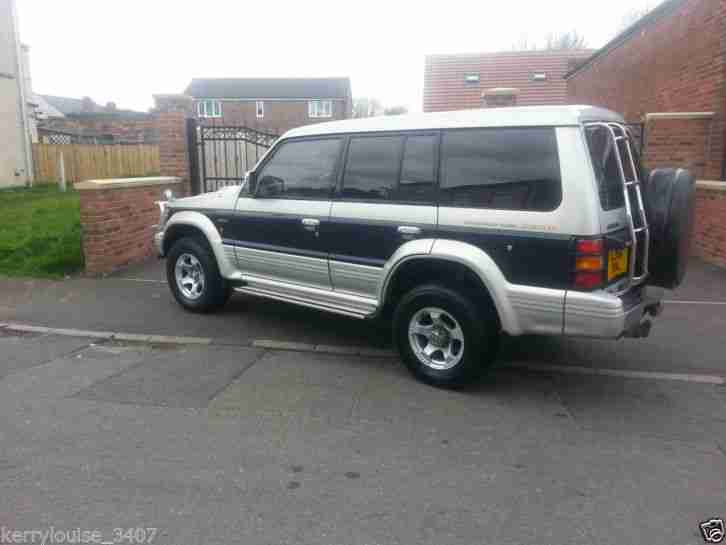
[125, 183]
[679, 115]
[711, 186]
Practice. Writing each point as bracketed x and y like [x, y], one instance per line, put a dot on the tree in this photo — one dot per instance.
[395, 110]
[367, 107]
[565, 40]
[553, 41]
[524, 44]
[631, 17]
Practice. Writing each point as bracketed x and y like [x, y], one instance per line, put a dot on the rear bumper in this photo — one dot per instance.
[606, 316]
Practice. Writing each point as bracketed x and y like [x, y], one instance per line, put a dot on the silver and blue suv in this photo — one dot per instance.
[456, 227]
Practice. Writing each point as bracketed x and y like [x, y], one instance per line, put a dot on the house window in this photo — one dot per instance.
[471, 78]
[539, 76]
[260, 109]
[209, 108]
[320, 108]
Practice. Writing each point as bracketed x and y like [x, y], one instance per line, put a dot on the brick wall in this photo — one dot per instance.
[279, 117]
[674, 61]
[678, 143]
[117, 218]
[709, 241]
[141, 129]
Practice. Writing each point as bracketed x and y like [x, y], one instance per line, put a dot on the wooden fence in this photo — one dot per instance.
[90, 162]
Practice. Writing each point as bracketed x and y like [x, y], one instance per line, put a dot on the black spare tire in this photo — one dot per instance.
[669, 198]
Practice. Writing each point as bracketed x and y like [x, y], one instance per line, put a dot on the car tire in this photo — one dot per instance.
[670, 203]
[193, 276]
[428, 317]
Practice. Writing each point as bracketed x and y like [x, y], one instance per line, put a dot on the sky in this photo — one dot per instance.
[127, 50]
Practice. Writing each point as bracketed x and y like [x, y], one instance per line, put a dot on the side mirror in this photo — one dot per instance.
[251, 182]
[270, 186]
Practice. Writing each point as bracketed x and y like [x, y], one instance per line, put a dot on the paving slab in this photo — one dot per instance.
[694, 413]
[183, 377]
[20, 350]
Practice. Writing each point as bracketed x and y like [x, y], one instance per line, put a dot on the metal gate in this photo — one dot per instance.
[220, 155]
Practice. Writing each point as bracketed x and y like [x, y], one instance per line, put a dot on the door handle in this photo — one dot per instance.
[409, 231]
[311, 224]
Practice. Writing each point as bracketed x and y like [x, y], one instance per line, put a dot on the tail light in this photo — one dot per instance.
[589, 273]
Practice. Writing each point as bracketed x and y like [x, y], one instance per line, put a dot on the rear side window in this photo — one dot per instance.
[604, 161]
[506, 169]
[305, 168]
[371, 171]
[418, 171]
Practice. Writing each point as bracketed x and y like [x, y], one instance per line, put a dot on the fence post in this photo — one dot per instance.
[62, 172]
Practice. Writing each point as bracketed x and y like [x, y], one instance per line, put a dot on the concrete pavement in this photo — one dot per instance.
[225, 444]
[688, 337]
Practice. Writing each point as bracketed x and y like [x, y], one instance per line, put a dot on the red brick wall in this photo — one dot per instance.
[173, 155]
[117, 225]
[676, 63]
[446, 89]
[136, 130]
[279, 117]
[678, 143]
[710, 230]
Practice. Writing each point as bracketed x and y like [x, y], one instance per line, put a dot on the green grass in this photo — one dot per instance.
[40, 232]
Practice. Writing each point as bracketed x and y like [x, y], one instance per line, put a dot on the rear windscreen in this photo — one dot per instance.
[604, 160]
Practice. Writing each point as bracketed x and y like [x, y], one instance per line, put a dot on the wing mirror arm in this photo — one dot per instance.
[252, 182]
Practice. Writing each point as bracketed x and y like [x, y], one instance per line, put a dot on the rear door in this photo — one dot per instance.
[385, 198]
[278, 237]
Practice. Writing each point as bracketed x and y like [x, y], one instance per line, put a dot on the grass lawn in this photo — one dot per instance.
[40, 232]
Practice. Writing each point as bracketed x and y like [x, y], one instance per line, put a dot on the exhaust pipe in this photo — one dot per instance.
[640, 331]
[655, 310]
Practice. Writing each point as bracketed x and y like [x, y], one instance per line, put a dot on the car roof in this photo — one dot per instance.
[526, 116]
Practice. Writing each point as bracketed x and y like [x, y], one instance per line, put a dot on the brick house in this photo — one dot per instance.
[668, 71]
[271, 105]
[522, 78]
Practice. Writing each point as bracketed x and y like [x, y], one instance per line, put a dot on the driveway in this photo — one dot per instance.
[228, 444]
[687, 338]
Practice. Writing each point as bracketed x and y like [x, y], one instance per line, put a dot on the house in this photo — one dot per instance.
[16, 162]
[522, 78]
[668, 72]
[271, 105]
[64, 120]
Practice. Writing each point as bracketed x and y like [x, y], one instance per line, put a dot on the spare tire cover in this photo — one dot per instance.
[669, 203]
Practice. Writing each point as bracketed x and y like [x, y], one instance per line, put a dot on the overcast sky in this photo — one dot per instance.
[127, 50]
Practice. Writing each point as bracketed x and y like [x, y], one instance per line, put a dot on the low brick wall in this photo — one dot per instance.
[117, 218]
[709, 241]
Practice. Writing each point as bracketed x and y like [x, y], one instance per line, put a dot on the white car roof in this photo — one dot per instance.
[523, 116]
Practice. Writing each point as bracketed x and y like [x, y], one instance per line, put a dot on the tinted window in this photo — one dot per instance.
[604, 161]
[371, 171]
[509, 169]
[418, 171]
[305, 168]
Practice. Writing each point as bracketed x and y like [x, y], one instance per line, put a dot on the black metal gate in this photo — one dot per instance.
[220, 155]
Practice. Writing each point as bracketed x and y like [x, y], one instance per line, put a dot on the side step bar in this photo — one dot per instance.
[346, 304]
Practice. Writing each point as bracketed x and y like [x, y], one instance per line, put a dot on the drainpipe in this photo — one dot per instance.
[20, 70]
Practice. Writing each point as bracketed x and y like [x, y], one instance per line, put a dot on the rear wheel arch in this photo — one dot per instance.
[423, 270]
